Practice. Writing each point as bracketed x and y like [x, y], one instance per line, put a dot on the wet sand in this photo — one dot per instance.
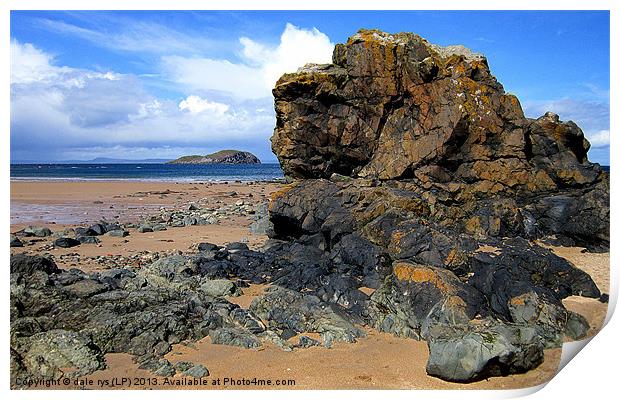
[379, 361]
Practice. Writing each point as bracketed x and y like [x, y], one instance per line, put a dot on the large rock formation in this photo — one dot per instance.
[432, 120]
[420, 191]
[416, 169]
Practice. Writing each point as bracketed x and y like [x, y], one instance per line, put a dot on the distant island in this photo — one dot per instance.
[98, 160]
[220, 157]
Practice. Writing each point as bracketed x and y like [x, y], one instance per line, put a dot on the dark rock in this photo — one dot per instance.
[473, 352]
[84, 232]
[247, 320]
[236, 246]
[235, 337]
[159, 366]
[15, 242]
[118, 233]
[49, 353]
[24, 264]
[86, 288]
[144, 343]
[411, 162]
[38, 231]
[288, 333]
[287, 309]
[100, 229]
[145, 228]
[158, 227]
[66, 242]
[305, 342]
[88, 239]
[416, 296]
[166, 369]
[197, 371]
[183, 366]
[189, 221]
[577, 326]
[162, 348]
[219, 288]
[207, 247]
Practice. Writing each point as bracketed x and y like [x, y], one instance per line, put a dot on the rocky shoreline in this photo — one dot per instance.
[420, 195]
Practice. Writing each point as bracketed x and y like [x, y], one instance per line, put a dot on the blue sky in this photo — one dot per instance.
[149, 84]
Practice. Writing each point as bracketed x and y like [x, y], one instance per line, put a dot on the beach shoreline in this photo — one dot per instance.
[366, 364]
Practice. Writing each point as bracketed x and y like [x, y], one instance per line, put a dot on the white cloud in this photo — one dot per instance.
[196, 104]
[599, 139]
[204, 74]
[131, 36]
[57, 112]
[297, 47]
[29, 64]
[259, 67]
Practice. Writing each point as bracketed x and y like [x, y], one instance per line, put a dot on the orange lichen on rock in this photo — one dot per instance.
[281, 192]
[421, 274]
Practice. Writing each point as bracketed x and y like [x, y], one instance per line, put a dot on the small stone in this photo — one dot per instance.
[98, 229]
[207, 247]
[197, 371]
[236, 246]
[162, 348]
[305, 342]
[234, 337]
[118, 233]
[15, 242]
[88, 239]
[38, 231]
[145, 228]
[66, 242]
[159, 227]
[183, 366]
[287, 334]
[219, 288]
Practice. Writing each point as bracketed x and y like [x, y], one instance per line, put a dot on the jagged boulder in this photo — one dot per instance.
[48, 353]
[421, 177]
[464, 353]
[287, 309]
[416, 296]
[397, 107]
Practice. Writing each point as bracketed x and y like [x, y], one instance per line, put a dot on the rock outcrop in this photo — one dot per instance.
[414, 167]
[220, 157]
[420, 197]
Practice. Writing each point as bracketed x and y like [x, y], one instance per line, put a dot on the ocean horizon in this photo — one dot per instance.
[146, 172]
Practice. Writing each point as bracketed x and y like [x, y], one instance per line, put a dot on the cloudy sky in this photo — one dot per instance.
[164, 84]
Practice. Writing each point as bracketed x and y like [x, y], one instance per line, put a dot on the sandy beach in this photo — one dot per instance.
[378, 361]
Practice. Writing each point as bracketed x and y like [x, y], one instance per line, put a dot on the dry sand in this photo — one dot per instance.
[379, 361]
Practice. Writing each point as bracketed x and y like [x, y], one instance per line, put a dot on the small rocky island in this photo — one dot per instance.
[220, 157]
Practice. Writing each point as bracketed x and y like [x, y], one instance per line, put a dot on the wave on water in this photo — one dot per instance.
[147, 172]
